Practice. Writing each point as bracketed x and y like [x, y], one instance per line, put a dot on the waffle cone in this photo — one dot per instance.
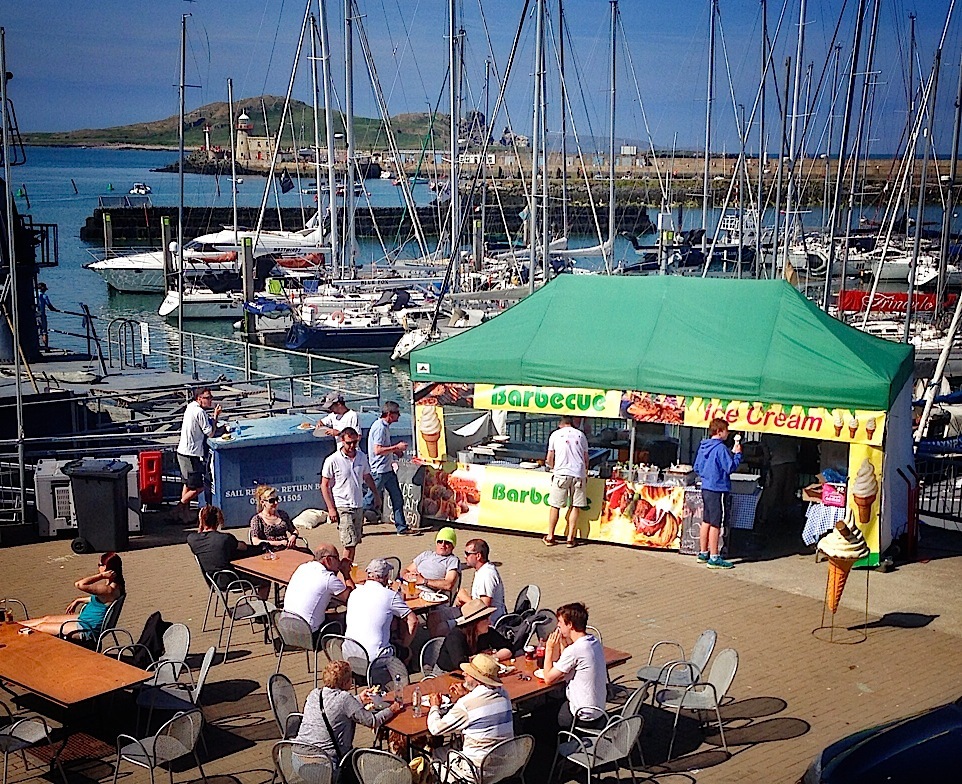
[838, 571]
[431, 442]
[864, 505]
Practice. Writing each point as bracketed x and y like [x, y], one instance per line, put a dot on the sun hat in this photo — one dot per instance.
[483, 668]
[331, 399]
[447, 534]
[474, 610]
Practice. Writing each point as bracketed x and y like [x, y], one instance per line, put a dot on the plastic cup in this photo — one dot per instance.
[529, 652]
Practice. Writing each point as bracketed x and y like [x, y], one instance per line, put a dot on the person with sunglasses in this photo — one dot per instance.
[271, 527]
[343, 477]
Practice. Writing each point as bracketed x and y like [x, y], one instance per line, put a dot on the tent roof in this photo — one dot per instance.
[699, 337]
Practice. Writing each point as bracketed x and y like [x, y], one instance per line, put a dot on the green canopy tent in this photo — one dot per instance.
[706, 337]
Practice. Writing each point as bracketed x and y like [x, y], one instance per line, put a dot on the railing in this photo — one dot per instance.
[941, 487]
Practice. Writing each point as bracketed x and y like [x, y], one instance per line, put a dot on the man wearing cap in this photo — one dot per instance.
[472, 633]
[381, 452]
[340, 417]
[343, 477]
[371, 610]
[315, 583]
[482, 712]
[438, 570]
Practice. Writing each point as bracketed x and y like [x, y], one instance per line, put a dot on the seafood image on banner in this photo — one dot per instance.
[649, 407]
[645, 515]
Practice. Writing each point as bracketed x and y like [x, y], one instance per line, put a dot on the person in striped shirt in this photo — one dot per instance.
[482, 712]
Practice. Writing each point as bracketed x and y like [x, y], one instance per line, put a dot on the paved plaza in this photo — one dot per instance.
[793, 693]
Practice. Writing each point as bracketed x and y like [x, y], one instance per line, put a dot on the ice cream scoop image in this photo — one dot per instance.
[843, 547]
[852, 426]
[865, 490]
[838, 422]
[870, 426]
[429, 424]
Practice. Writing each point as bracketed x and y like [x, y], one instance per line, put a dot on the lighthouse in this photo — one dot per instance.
[244, 129]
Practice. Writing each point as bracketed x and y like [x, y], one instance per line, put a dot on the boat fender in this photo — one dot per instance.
[338, 316]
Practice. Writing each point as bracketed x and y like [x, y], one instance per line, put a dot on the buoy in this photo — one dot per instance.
[110, 187]
[20, 193]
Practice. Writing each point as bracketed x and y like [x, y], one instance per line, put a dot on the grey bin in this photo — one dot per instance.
[100, 504]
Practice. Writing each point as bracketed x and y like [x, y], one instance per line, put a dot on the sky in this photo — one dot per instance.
[114, 62]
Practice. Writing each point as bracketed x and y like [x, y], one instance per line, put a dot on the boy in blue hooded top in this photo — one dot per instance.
[715, 465]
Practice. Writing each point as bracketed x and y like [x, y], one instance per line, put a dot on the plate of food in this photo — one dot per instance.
[539, 673]
[433, 596]
[506, 669]
[306, 426]
[426, 701]
[501, 439]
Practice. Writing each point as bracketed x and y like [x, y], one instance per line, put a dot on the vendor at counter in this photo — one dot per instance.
[568, 460]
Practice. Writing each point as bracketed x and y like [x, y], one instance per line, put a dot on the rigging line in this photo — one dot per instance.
[662, 183]
[581, 91]
[270, 59]
[404, 51]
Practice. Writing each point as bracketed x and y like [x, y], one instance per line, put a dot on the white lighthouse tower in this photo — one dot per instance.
[244, 129]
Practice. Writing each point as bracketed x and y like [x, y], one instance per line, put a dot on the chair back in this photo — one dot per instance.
[176, 641]
[635, 700]
[616, 740]
[301, 763]
[395, 563]
[179, 735]
[704, 645]
[9, 603]
[202, 675]
[116, 638]
[529, 599]
[596, 632]
[385, 669]
[112, 616]
[543, 622]
[337, 647]
[429, 656]
[283, 700]
[226, 582]
[380, 767]
[454, 590]
[722, 672]
[507, 759]
[294, 631]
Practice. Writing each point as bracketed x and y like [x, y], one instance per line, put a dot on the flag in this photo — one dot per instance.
[287, 184]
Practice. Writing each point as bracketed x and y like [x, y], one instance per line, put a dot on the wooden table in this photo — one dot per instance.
[413, 727]
[60, 671]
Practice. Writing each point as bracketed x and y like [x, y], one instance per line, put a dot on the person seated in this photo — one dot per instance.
[371, 610]
[342, 711]
[481, 713]
[437, 569]
[271, 528]
[574, 656]
[487, 585]
[86, 613]
[315, 583]
[472, 634]
[215, 549]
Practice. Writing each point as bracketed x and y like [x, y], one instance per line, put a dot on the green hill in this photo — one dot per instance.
[411, 130]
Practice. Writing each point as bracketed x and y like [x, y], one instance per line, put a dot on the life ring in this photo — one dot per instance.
[338, 317]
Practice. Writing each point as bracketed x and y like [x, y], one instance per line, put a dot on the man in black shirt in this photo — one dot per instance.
[472, 634]
[216, 549]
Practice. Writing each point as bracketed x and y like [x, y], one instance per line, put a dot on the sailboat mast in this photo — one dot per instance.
[779, 177]
[315, 106]
[951, 197]
[337, 259]
[610, 251]
[793, 134]
[233, 160]
[535, 142]
[706, 179]
[349, 239]
[182, 87]
[762, 146]
[454, 96]
[563, 105]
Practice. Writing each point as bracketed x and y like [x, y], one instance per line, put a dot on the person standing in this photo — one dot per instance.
[715, 465]
[577, 657]
[338, 418]
[315, 583]
[343, 477]
[43, 305]
[381, 453]
[192, 449]
[568, 460]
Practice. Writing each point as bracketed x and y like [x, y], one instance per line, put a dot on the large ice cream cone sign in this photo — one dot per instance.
[430, 426]
[843, 546]
[865, 491]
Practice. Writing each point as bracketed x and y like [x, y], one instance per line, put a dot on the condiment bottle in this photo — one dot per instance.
[398, 697]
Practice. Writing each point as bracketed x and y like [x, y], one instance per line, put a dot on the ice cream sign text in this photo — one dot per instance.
[549, 400]
[836, 424]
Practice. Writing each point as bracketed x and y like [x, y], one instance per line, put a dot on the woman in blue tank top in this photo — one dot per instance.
[86, 613]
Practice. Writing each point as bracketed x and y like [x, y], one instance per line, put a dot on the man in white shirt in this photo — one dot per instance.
[382, 454]
[195, 428]
[573, 655]
[372, 608]
[487, 585]
[338, 418]
[315, 583]
[343, 477]
[568, 460]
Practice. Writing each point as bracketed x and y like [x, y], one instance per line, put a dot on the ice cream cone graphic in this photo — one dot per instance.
[865, 491]
[870, 426]
[429, 423]
[839, 423]
[844, 546]
[852, 426]
[838, 571]
[431, 442]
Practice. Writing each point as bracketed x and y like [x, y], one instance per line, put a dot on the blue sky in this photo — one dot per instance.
[113, 62]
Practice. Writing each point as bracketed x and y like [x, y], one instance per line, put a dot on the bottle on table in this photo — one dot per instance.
[398, 697]
[416, 702]
[539, 654]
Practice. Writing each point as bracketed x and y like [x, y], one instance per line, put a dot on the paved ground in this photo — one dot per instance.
[793, 694]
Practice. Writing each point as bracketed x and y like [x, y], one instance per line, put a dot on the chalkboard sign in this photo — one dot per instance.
[411, 478]
[691, 523]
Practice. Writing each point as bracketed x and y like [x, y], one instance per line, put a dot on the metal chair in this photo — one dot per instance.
[213, 596]
[682, 671]
[90, 638]
[383, 671]
[544, 622]
[21, 733]
[453, 593]
[174, 696]
[612, 745]
[334, 648]
[295, 635]
[172, 662]
[704, 695]
[508, 759]
[380, 767]
[7, 604]
[529, 599]
[631, 707]
[241, 603]
[284, 705]
[429, 656]
[175, 739]
[301, 763]
[395, 567]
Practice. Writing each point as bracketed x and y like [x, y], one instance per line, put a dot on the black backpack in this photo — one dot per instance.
[152, 640]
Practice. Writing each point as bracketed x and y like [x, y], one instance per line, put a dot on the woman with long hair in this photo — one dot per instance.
[86, 613]
[472, 634]
[271, 527]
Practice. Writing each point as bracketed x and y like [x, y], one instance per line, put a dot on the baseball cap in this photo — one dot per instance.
[330, 399]
[447, 535]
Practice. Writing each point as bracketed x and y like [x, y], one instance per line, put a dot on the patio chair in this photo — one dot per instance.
[295, 634]
[301, 763]
[384, 669]
[396, 567]
[222, 578]
[241, 603]
[380, 767]
[617, 692]
[337, 647]
[612, 745]
[92, 638]
[429, 656]
[506, 760]
[174, 696]
[284, 705]
[10, 604]
[22, 732]
[706, 695]
[529, 599]
[680, 672]
[175, 739]
[631, 707]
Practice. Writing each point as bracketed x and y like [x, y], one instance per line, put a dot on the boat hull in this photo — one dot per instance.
[215, 306]
[324, 338]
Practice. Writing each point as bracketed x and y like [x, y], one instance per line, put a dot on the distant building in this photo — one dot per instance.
[250, 147]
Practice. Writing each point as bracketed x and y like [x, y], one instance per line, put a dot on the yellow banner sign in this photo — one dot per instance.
[549, 400]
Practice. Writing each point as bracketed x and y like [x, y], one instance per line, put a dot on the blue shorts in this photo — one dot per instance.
[717, 507]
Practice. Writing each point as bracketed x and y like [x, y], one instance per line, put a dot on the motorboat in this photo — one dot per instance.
[140, 189]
